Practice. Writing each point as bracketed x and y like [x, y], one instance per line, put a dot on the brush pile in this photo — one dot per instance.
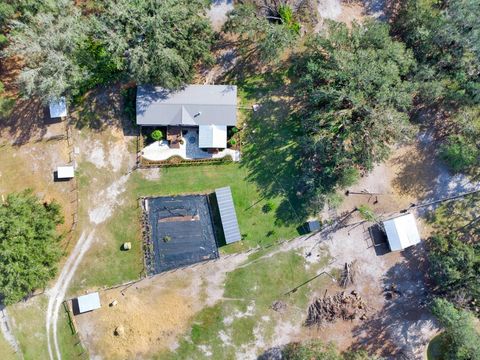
[339, 306]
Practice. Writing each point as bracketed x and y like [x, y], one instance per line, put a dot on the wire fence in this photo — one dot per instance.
[81, 353]
[73, 191]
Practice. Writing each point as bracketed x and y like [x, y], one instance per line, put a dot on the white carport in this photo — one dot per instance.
[401, 232]
[58, 108]
[212, 136]
[88, 302]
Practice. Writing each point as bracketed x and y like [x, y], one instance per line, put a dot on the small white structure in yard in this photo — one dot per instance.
[88, 302]
[212, 136]
[401, 232]
[58, 108]
[65, 172]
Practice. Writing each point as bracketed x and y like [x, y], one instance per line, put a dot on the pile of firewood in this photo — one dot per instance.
[348, 274]
[339, 306]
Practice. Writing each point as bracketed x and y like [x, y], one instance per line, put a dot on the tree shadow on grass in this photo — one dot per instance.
[101, 109]
[29, 119]
[272, 156]
[401, 326]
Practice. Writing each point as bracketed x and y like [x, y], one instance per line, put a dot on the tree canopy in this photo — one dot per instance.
[47, 42]
[157, 42]
[445, 38]
[461, 339]
[354, 100]
[454, 250]
[67, 53]
[266, 31]
[29, 245]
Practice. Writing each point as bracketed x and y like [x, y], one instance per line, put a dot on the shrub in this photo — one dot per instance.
[167, 238]
[367, 213]
[234, 130]
[459, 153]
[6, 103]
[267, 207]
[156, 135]
[349, 177]
[233, 141]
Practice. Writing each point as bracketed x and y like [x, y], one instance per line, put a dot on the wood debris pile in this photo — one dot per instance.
[339, 306]
[348, 274]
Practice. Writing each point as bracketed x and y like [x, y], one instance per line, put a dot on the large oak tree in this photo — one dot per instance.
[354, 99]
[29, 245]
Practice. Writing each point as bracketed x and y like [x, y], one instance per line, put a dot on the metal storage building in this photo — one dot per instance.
[228, 215]
[401, 232]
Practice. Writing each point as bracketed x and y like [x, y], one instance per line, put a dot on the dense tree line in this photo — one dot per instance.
[29, 245]
[454, 251]
[460, 339]
[445, 39]
[354, 99]
[67, 51]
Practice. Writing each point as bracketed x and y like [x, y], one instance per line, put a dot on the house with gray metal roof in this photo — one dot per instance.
[210, 108]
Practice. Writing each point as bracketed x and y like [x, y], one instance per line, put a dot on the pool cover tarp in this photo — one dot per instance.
[182, 231]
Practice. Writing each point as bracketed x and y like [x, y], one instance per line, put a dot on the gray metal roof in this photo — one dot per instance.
[228, 215]
[193, 105]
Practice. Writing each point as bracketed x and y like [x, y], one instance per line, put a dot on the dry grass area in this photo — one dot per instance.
[153, 314]
[29, 154]
[151, 318]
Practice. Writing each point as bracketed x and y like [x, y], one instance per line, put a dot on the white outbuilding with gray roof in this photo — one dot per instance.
[228, 215]
[401, 232]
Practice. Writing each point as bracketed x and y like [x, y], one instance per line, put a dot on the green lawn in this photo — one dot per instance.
[257, 226]
[106, 265]
[6, 350]
[29, 329]
[252, 290]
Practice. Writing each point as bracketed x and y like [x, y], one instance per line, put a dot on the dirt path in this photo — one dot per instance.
[5, 328]
[99, 210]
[57, 293]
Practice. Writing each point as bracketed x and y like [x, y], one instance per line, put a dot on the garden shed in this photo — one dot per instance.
[88, 302]
[65, 172]
[402, 232]
[58, 108]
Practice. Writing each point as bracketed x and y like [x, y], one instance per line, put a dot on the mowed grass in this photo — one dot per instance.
[232, 326]
[6, 351]
[29, 329]
[257, 225]
[106, 264]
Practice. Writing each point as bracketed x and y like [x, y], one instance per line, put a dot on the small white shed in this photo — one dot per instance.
[88, 302]
[402, 232]
[58, 108]
[65, 172]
